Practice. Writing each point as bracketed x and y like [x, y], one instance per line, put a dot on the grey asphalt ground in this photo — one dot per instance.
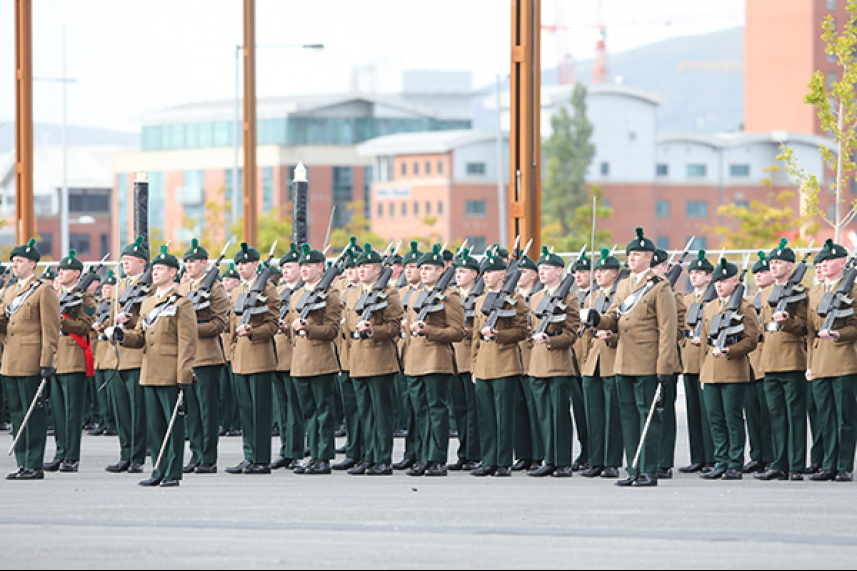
[97, 520]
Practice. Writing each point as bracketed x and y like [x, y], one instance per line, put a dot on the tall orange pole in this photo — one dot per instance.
[251, 207]
[24, 219]
[525, 117]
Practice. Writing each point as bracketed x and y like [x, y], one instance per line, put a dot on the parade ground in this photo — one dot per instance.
[98, 520]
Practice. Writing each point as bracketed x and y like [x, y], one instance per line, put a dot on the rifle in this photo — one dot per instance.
[317, 298]
[3, 275]
[75, 296]
[496, 301]
[674, 273]
[254, 302]
[694, 312]
[723, 331]
[375, 299]
[552, 308]
[782, 295]
[831, 305]
[475, 292]
[201, 298]
[431, 301]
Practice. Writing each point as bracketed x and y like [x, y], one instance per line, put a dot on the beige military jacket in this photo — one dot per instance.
[79, 319]
[463, 347]
[735, 368]
[375, 356]
[129, 358]
[256, 353]
[32, 333]
[315, 354]
[407, 295]
[584, 336]
[501, 357]
[601, 353]
[783, 350]
[691, 355]
[647, 333]
[681, 316]
[828, 358]
[343, 342]
[756, 354]
[555, 358]
[283, 338]
[211, 322]
[168, 344]
[433, 353]
[527, 343]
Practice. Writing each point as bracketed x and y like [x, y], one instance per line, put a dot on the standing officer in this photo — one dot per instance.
[430, 362]
[784, 363]
[551, 368]
[643, 312]
[74, 362]
[230, 424]
[30, 321]
[726, 372]
[374, 364]
[102, 348]
[289, 415]
[203, 421]
[832, 368]
[582, 269]
[756, 405]
[166, 333]
[314, 360]
[254, 361]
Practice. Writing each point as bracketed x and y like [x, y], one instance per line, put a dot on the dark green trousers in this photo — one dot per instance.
[666, 458]
[229, 418]
[316, 396]
[835, 398]
[430, 399]
[356, 438]
[724, 403]
[552, 398]
[413, 444]
[635, 400]
[578, 410]
[130, 406]
[160, 403]
[529, 444]
[603, 421]
[30, 450]
[338, 410]
[786, 396]
[91, 412]
[758, 423]
[4, 404]
[816, 429]
[68, 394]
[375, 402]
[698, 428]
[289, 416]
[203, 419]
[463, 393]
[105, 404]
[255, 393]
[495, 401]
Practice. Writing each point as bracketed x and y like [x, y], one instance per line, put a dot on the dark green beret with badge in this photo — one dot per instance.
[28, 251]
[831, 251]
[493, 263]
[762, 265]
[396, 259]
[368, 256]
[137, 249]
[247, 254]
[195, 252]
[640, 243]
[311, 256]
[724, 271]
[70, 262]
[110, 279]
[465, 261]
[528, 264]
[231, 273]
[659, 257]
[782, 252]
[550, 259]
[582, 264]
[701, 264]
[413, 256]
[607, 262]
[293, 255]
[433, 258]
[501, 252]
[350, 259]
[166, 259]
[49, 274]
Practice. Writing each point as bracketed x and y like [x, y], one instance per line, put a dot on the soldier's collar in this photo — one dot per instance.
[311, 287]
[160, 294]
[24, 283]
[552, 290]
[465, 291]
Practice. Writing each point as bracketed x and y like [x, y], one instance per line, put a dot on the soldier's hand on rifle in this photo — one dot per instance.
[828, 334]
[590, 317]
[488, 333]
[299, 325]
[98, 327]
[115, 334]
[696, 341]
[283, 325]
[604, 335]
[718, 353]
[780, 316]
[420, 328]
[244, 330]
[365, 327]
[123, 318]
[541, 338]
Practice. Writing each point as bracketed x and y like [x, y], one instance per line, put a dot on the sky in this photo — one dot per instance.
[129, 57]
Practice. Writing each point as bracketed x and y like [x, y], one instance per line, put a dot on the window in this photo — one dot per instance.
[416, 208]
[404, 169]
[428, 208]
[476, 208]
[699, 243]
[237, 204]
[416, 169]
[697, 209]
[104, 246]
[79, 242]
[380, 211]
[343, 178]
[404, 209]
[662, 169]
[662, 209]
[428, 168]
[439, 167]
[439, 208]
[46, 245]
[89, 200]
[267, 189]
[605, 169]
[742, 204]
[663, 242]
[392, 210]
[696, 170]
[831, 4]
[123, 180]
[476, 168]
[739, 170]
[476, 243]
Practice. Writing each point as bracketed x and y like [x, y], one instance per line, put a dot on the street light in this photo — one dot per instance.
[237, 125]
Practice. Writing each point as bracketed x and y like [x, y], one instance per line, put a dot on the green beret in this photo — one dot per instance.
[293, 255]
[49, 274]
[166, 259]
[659, 258]
[350, 260]
[491, 263]
[640, 244]
[231, 273]
[528, 264]
[311, 256]
[138, 249]
[274, 272]
[28, 251]
[607, 262]
[195, 252]
[396, 259]
[413, 256]
[110, 279]
[97, 276]
[550, 259]
[831, 251]
[368, 256]
[762, 265]
[465, 261]
[724, 271]
[247, 254]
[70, 262]
[582, 264]
[434, 258]
[782, 252]
[701, 264]
[501, 252]
[448, 255]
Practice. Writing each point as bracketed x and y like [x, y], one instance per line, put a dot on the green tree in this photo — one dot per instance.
[835, 105]
[580, 226]
[567, 154]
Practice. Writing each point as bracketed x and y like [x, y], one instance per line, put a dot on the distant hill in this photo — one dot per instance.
[51, 135]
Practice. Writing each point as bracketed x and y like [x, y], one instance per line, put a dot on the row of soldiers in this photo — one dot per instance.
[503, 345]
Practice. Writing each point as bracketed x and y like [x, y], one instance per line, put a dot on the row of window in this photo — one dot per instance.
[427, 171]
[699, 243]
[693, 209]
[391, 208]
[699, 170]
